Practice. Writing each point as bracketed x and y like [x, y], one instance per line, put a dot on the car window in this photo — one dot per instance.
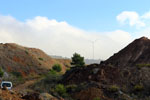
[6, 84]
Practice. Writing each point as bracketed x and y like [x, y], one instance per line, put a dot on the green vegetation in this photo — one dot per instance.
[16, 78]
[50, 83]
[77, 60]
[61, 90]
[1, 72]
[113, 88]
[52, 72]
[71, 88]
[57, 67]
[97, 98]
[142, 65]
[41, 59]
[138, 87]
[26, 52]
[67, 69]
[17, 74]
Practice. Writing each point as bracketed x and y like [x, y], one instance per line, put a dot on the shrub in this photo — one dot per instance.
[52, 77]
[77, 60]
[142, 65]
[17, 74]
[138, 87]
[14, 78]
[48, 83]
[113, 88]
[26, 52]
[68, 69]
[1, 72]
[97, 98]
[41, 59]
[57, 67]
[52, 72]
[60, 89]
[71, 88]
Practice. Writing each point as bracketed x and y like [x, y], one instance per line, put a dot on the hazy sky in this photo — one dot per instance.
[62, 27]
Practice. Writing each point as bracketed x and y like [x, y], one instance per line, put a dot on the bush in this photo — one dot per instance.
[26, 52]
[71, 88]
[1, 72]
[113, 88]
[52, 72]
[17, 74]
[138, 87]
[60, 89]
[41, 59]
[142, 65]
[48, 83]
[77, 60]
[97, 98]
[57, 67]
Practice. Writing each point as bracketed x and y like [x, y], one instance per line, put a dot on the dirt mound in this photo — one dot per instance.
[25, 60]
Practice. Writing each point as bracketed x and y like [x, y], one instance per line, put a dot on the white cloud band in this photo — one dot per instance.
[60, 38]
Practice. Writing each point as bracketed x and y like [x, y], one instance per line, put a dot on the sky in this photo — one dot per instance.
[63, 27]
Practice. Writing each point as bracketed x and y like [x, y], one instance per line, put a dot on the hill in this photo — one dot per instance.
[135, 53]
[124, 76]
[27, 61]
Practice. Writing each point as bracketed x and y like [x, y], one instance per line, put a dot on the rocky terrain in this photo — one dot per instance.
[12, 95]
[124, 76]
[135, 53]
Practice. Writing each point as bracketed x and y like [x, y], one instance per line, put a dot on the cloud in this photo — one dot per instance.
[60, 38]
[134, 19]
[146, 15]
[130, 17]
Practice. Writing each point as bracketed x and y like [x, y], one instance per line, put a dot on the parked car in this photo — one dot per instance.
[6, 84]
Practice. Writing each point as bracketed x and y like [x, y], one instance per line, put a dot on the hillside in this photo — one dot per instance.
[27, 61]
[124, 76]
[135, 53]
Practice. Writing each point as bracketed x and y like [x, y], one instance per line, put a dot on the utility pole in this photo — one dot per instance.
[93, 46]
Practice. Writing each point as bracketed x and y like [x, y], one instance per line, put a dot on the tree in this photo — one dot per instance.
[57, 67]
[1, 72]
[77, 60]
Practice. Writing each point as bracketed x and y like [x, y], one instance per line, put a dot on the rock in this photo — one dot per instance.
[1, 98]
[32, 96]
[95, 70]
[46, 96]
[0, 91]
[5, 88]
[12, 92]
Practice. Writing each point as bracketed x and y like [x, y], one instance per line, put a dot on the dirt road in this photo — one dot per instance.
[25, 85]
